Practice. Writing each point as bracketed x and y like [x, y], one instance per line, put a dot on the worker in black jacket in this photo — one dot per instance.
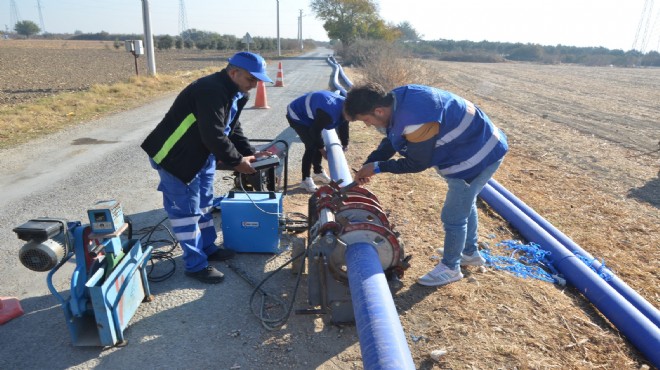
[201, 128]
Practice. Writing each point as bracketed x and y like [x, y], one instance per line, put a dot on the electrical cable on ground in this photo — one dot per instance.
[163, 250]
[294, 222]
[268, 300]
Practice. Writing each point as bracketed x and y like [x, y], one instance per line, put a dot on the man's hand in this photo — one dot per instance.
[262, 153]
[363, 176]
[244, 166]
[324, 153]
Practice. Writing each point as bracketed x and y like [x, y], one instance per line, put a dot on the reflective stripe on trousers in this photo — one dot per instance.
[188, 207]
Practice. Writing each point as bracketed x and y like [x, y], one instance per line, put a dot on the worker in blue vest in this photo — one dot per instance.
[308, 115]
[201, 128]
[430, 127]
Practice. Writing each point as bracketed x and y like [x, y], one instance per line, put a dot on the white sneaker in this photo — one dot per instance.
[476, 259]
[440, 275]
[309, 185]
[472, 260]
[322, 177]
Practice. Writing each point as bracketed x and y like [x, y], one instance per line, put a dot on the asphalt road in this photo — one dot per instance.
[189, 325]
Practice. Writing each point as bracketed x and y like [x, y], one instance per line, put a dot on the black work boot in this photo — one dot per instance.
[221, 255]
[208, 275]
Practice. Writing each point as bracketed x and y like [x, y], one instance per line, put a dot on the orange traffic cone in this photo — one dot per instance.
[9, 308]
[261, 101]
[279, 81]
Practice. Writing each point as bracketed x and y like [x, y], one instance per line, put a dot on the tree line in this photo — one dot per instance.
[348, 22]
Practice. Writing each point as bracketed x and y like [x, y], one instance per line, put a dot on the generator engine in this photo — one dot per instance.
[339, 217]
[109, 280]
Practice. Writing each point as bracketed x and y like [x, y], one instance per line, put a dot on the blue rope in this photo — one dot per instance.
[524, 261]
[603, 271]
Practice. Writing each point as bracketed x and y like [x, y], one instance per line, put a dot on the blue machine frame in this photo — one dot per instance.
[99, 308]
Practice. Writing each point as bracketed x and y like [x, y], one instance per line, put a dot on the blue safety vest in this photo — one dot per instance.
[467, 142]
[302, 109]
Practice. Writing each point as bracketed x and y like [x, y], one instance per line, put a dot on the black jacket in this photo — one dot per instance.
[194, 127]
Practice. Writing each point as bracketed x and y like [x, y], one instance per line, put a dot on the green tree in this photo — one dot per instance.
[27, 28]
[526, 53]
[408, 32]
[349, 20]
[165, 42]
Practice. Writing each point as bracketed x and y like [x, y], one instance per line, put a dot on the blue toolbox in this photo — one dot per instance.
[251, 221]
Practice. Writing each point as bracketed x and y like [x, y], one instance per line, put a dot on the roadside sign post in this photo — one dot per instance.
[247, 39]
[134, 47]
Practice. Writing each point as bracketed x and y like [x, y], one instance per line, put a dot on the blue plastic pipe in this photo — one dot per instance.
[339, 169]
[638, 328]
[382, 341]
[335, 76]
[646, 308]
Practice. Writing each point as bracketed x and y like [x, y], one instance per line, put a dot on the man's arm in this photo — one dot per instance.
[384, 152]
[421, 141]
[211, 114]
[240, 141]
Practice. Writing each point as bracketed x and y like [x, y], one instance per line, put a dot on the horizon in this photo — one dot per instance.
[578, 23]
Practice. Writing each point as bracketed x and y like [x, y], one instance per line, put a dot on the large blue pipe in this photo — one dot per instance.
[339, 169]
[638, 328]
[382, 341]
[336, 73]
[646, 308]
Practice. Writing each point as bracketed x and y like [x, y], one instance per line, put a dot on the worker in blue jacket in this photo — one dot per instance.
[201, 128]
[430, 127]
[308, 115]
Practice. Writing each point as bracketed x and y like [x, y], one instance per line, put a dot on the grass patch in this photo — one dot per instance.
[21, 123]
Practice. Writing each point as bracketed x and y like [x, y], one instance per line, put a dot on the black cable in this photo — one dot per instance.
[296, 226]
[272, 323]
[158, 255]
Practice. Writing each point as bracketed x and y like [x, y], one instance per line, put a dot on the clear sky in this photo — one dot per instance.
[609, 23]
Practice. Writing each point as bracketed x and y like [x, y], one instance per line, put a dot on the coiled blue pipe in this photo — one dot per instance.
[638, 328]
[646, 308]
[382, 341]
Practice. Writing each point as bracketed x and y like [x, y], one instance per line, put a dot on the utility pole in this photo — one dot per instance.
[279, 50]
[300, 35]
[148, 38]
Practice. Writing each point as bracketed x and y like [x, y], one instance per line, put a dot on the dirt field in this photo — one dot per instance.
[31, 69]
[584, 155]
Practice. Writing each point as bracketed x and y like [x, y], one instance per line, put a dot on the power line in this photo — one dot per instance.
[41, 18]
[642, 34]
[183, 21]
[14, 17]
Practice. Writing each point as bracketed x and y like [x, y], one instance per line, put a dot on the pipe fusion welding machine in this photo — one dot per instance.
[339, 218]
[109, 280]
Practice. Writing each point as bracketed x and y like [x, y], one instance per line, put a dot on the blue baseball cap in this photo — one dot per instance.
[252, 63]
